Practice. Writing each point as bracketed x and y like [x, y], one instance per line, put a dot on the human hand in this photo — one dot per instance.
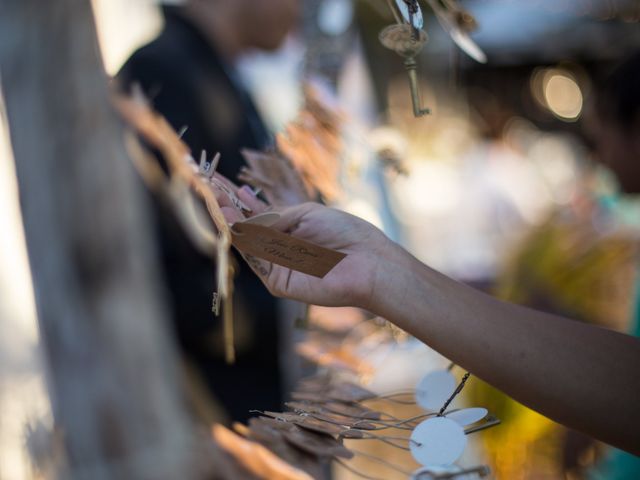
[352, 281]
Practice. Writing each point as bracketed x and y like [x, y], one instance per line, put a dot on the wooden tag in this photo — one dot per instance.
[309, 423]
[319, 445]
[255, 458]
[352, 411]
[282, 249]
[317, 412]
[349, 392]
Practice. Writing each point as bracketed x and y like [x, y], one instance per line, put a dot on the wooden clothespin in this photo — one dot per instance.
[208, 168]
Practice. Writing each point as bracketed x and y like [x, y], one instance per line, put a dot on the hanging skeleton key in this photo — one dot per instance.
[407, 38]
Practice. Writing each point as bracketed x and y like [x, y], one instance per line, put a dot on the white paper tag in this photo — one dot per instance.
[434, 389]
[467, 416]
[437, 441]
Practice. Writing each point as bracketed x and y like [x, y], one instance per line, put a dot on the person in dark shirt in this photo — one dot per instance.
[188, 75]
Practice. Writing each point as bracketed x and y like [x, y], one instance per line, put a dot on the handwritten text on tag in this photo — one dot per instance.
[282, 249]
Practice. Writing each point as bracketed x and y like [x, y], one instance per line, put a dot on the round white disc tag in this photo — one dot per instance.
[434, 389]
[437, 441]
[467, 416]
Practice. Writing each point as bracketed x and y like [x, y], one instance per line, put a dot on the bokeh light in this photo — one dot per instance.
[559, 91]
[563, 95]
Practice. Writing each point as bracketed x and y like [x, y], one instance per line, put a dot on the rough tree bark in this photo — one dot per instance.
[112, 367]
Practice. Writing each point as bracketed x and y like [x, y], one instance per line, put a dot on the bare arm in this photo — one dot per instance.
[579, 375]
[582, 376]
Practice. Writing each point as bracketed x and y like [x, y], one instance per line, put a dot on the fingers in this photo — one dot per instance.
[291, 217]
[248, 197]
[261, 267]
[276, 278]
[232, 214]
[228, 193]
[228, 183]
[223, 198]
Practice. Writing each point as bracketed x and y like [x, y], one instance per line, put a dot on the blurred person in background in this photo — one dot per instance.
[188, 74]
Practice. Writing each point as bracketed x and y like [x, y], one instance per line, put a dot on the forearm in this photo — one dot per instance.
[579, 375]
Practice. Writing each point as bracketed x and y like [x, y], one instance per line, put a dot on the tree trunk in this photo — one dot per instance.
[112, 367]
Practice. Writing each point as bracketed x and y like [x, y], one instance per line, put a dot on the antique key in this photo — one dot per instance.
[407, 38]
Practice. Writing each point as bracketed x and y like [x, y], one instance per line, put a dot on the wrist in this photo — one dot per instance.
[390, 279]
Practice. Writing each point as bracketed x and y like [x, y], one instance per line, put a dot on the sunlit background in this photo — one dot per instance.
[23, 397]
[499, 176]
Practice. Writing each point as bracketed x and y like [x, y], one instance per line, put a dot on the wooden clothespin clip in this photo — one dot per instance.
[208, 168]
